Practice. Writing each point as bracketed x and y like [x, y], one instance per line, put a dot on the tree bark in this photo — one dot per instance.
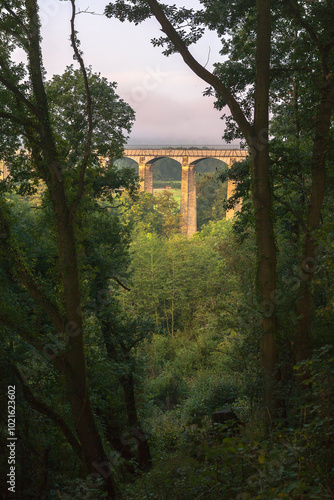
[127, 383]
[303, 340]
[144, 455]
[262, 200]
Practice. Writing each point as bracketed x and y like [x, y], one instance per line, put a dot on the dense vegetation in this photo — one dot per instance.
[186, 315]
[147, 365]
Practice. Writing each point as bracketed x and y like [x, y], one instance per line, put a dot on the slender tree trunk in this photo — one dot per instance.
[318, 166]
[75, 365]
[127, 382]
[262, 200]
[144, 455]
[114, 437]
[43, 408]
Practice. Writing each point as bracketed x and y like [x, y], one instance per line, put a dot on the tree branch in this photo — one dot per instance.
[11, 32]
[18, 94]
[27, 279]
[292, 7]
[324, 51]
[290, 209]
[16, 17]
[36, 293]
[20, 121]
[26, 336]
[120, 283]
[201, 71]
[43, 408]
[88, 145]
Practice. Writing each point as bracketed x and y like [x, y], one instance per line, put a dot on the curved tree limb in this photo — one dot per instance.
[43, 408]
[18, 94]
[237, 113]
[16, 119]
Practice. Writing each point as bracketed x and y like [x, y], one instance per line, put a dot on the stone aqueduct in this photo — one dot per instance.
[188, 158]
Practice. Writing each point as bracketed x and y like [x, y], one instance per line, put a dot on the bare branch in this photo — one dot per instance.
[120, 283]
[86, 11]
[207, 61]
[88, 146]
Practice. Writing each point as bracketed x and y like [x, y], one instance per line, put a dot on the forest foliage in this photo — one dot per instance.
[148, 364]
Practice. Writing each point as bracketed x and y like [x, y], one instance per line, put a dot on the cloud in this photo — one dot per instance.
[165, 94]
[162, 119]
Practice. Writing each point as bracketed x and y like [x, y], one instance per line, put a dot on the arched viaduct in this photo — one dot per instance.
[188, 158]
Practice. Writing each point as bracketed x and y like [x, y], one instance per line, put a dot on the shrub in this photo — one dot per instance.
[208, 394]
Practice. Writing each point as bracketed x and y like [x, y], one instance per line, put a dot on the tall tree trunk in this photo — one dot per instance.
[114, 436]
[144, 455]
[262, 200]
[127, 383]
[318, 167]
[75, 366]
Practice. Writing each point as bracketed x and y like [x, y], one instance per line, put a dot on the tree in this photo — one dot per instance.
[155, 214]
[61, 160]
[315, 23]
[107, 259]
[300, 73]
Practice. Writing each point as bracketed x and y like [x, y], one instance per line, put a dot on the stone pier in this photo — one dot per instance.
[4, 172]
[188, 198]
[145, 175]
[230, 192]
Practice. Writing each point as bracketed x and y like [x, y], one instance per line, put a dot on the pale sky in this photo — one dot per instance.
[165, 94]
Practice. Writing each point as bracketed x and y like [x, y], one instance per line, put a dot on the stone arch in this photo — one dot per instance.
[165, 169]
[128, 162]
[228, 161]
[198, 162]
[146, 169]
